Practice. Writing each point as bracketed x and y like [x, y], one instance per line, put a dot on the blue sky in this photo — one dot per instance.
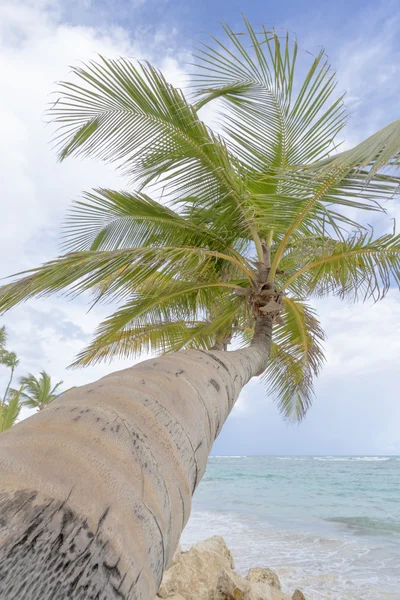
[195, 19]
[356, 408]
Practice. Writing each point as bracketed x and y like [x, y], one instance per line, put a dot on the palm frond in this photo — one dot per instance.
[9, 411]
[357, 267]
[38, 392]
[55, 388]
[322, 196]
[298, 213]
[9, 359]
[379, 151]
[109, 220]
[134, 341]
[181, 310]
[3, 339]
[129, 114]
[253, 73]
[119, 269]
[274, 129]
[296, 359]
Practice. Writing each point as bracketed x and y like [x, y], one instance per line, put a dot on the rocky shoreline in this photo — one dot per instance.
[207, 572]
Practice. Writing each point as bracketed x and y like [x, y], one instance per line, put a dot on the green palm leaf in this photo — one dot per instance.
[129, 114]
[269, 125]
[271, 129]
[119, 269]
[38, 392]
[179, 310]
[10, 410]
[296, 359]
[133, 341]
[263, 208]
[9, 359]
[359, 266]
[377, 152]
[109, 220]
[3, 339]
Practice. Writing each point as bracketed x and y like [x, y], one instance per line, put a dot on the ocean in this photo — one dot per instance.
[329, 525]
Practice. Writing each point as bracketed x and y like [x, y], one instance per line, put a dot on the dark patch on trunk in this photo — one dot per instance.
[215, 384]
[196, 477]
[228, 395]
[183, 508]
[214, 358]
[138, 576]
[48, 552]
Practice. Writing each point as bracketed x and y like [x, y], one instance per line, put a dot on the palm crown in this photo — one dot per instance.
[252, 220]
[38, 392]
[10, 409]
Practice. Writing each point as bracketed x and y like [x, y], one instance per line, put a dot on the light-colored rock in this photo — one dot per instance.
[231, 587]
[258, 591]
[176, 556]
[263, 591]
[262, 575]
[275, 594]
[218, 545]
[173, 597]
[298, 595]
[195, 573]
[205, 573]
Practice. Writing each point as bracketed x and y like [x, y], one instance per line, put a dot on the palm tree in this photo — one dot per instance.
[3, 339]
[10, 360]
[253, 223]
[3, 351]
[10, 409]
[38, 393]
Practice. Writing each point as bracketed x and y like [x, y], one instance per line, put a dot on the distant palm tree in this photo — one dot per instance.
[9, 411]
[38, 392]
[3, 339]
[9, 359]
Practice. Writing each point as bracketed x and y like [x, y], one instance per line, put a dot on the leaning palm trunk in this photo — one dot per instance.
[95, 491]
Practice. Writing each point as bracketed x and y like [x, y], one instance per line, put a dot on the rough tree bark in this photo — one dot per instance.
[96, 489]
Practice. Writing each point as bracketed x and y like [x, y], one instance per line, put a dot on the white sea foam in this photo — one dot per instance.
[372, 458]
[323, 566]
[329, 528]
[289, 458]
[228, 456]
[352, 458]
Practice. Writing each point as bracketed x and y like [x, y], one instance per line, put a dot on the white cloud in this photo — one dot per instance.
[36, 49]
[36, 52]
[368, 68]
[362, 338]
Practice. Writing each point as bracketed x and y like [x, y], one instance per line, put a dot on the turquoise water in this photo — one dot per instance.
[328, 525]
